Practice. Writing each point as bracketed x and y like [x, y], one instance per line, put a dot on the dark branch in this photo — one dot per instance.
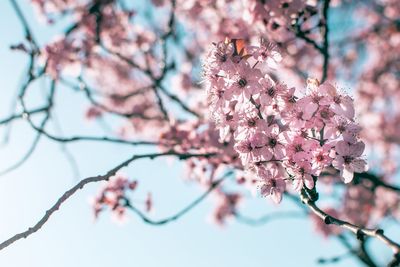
[82, 184]
[359, 232]
[182, 212]
[325, 46]
[269, 217]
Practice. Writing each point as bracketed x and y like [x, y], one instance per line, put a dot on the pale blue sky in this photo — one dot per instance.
[72, 238]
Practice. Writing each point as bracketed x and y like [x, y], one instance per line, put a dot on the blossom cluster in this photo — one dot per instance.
[113, 195]
[226, 206]
[280, 134]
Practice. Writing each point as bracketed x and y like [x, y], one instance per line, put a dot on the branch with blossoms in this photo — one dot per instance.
[282, 136]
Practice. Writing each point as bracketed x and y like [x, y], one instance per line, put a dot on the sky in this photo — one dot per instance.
[73, 238]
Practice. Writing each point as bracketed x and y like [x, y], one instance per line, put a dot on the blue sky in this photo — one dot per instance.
[72, 238]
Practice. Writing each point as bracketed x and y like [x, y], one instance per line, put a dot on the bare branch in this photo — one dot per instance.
[21, 115]
[325, 46]
[359, 232]
[335, 259]
[269, 217]
[86, 181]
[28, 32]
[182, 212]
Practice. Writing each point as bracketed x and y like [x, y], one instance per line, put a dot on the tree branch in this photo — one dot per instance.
[82, 184]
[325, 46]
[182, 212]
[269, 217]
[28, 33]
[358, 231]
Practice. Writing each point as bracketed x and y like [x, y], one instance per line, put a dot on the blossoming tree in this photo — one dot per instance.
[244, 92]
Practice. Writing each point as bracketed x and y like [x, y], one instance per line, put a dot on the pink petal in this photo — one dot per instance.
[357, 149]
[309, 109]
[298, 184]
[358, 165]
[347, 107]
[279, 151]
[328, 89]
[347, 175]
[338, 163]
[265, 190]
[276, 196]
[343, 148]
[309, 182]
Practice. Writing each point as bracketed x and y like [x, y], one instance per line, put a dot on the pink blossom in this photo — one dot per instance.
[341, 104]
[348, 159]
[268, 92]
[299, 148]
[253, 149]
[321, 157]
[341, 126]
[250, 123]
[61, 56]
[114, 196]
[271, 183]
[245, 79]
[303, 175]
[93, 113]
[267, 52]
[308, 107]
[275, 142]
[226, 206]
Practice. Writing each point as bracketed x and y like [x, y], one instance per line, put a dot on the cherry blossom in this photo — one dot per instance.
[305, 133]
[348, 159]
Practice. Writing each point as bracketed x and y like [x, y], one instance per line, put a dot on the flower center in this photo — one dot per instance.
[249, 147]
[272, 142]
[242, 82]
[292, 99]
[348, 159]
[324, 114]
[337, 99]
[271, 92]
[275, 26]
[341, 128]
[316, 99]
[228, 117]
[223, 58]
[298, 148]
[285, 5]
[251, 122]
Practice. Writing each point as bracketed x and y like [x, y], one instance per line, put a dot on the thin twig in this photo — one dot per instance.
[268, 217]
[28, 32]
[183, 211]
[325, 46]
[21, 115]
